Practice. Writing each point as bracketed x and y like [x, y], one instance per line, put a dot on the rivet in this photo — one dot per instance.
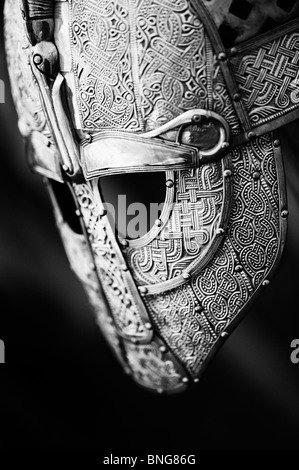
[225, 145]
[251, 135]
[185, 380]
[163, 278]
[222, 56]
[143, 290]
[170, 184]
[160, 390]
[102, 212]
[196, 380]
[65, 168]
[88, 137]
[158, 223]
[237, 97]
[276, 143]
[238, 268]
[227, 173]
[124, 243]
[78, 213]
[224, 334]
[186, 275]
[197, 309]
[284, 214]
[37, 59]
[234, 51]
[266, 283]
[196, 118]
[163, 349]
[220, 231]
[256, 175]
[148, 326]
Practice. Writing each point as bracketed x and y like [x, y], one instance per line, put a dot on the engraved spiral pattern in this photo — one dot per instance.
[140, 63]
[192, 318]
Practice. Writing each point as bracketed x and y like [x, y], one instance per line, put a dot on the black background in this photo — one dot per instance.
[61, 386]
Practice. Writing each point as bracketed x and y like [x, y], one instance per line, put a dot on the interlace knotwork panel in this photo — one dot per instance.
[192, 318]
[268, 78]
[187, 236]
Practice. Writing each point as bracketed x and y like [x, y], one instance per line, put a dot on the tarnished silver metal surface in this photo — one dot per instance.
[141, 86]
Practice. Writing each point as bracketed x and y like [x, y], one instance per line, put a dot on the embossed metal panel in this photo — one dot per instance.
[153, 78]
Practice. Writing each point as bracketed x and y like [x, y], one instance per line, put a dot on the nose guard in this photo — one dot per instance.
[133, 87]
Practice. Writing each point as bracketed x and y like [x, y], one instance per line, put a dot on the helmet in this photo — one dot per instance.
[187, 97]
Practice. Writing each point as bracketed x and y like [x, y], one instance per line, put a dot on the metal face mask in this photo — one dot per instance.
[174, 86]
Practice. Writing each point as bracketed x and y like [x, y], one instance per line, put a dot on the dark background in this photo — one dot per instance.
[61, 386]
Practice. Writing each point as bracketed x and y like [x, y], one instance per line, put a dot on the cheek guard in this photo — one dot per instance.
[178, 87]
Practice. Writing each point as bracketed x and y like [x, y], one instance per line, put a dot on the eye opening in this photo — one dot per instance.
[134, 201]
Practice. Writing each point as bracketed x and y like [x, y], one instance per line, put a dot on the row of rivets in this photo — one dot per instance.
[237, 97]
[223, 57]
